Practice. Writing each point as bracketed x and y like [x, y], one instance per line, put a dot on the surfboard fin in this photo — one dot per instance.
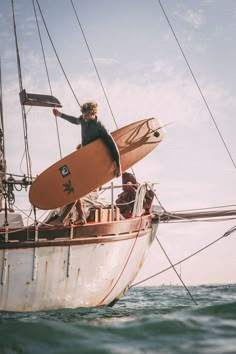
[32, 99]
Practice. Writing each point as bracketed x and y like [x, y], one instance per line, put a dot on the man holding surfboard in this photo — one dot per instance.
[92, 129]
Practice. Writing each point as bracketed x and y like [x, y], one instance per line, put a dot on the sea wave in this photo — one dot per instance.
[147, 320]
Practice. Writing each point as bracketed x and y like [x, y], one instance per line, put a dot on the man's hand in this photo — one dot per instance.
[56, 112]
[129, 187]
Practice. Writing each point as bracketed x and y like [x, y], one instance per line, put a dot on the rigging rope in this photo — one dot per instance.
[94, 64]
[50, 38]
[173, 267]
[207, 208]
[197, 84]
[185, 220]
[1, 108]
[96, 70]
[155, 195]
[2, 146]
[47, 73]
[2, 137]
[41, 43]
[177, 217]
[226, 234]
[24, 120]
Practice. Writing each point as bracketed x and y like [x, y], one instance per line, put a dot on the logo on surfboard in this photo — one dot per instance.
[68, 187]
[64, 170]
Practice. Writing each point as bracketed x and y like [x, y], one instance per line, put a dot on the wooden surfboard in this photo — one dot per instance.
[90, 167]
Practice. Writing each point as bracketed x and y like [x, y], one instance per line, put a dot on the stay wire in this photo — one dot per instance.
[226, 234]
[173, 267]
[155, 195]
[198, 86]
[24, 119]
[94, 64]
[1, 114]
[42, 48]
[1, 100]
[185, 221]
[207, 208]
[55, 51]
[47, 73]
[96, 70]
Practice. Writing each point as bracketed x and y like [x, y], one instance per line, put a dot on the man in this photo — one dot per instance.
[126, 199]
[91, 129]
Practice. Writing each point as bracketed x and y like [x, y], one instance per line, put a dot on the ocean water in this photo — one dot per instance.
[160, 319]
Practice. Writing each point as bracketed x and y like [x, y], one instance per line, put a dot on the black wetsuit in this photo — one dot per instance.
[92, 130]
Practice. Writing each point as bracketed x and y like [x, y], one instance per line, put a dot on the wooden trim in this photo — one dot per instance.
[74, 242]
[82, 234]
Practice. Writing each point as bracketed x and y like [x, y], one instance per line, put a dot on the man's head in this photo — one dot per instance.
[127, 179]
[89, 110]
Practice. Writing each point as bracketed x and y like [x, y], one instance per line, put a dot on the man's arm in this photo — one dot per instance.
[110, 142]
[71, 119]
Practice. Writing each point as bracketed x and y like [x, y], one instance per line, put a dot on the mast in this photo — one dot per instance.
[2, 145]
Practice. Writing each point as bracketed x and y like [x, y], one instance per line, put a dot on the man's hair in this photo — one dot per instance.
[128, 177]
[89, 107]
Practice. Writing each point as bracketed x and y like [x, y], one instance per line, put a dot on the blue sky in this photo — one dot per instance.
[144, 74]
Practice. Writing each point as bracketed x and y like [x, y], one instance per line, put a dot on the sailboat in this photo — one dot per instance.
[53, 264]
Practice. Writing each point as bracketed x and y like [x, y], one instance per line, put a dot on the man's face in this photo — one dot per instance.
[88, 116]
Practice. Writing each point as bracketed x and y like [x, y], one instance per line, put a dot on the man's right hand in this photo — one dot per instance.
[56, 112]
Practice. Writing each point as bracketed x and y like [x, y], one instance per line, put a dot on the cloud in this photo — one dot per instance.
[194, 18]
[174, 99]
[9, 54]
[29, 26]
[161, 66]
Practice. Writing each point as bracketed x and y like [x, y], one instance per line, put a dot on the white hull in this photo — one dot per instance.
[82, 271]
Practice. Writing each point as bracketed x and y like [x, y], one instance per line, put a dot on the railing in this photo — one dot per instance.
[103, 214]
